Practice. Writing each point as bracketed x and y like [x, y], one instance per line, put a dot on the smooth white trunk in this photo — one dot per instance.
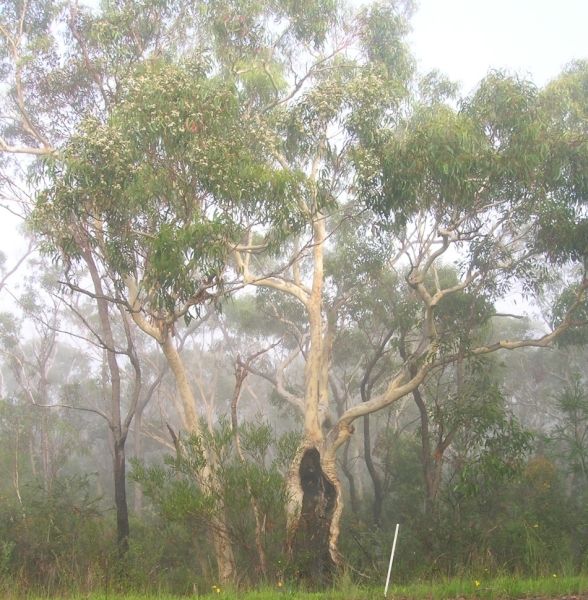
[218, 527]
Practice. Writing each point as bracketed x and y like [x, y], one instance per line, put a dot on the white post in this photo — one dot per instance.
[391, 559]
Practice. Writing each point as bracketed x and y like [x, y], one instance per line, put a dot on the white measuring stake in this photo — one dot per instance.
[391, 559]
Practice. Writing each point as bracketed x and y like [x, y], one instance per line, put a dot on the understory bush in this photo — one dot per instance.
[527, 522]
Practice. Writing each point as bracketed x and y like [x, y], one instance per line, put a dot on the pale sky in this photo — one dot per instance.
[466, 38]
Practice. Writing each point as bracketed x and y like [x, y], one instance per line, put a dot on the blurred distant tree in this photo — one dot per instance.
[572, 428]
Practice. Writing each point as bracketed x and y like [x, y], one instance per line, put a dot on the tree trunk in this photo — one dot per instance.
[426, 458]
[115, 422]
[313, 516]
[315, 500]
[365, 390]
[223, 548]
[138, 454]
[374, 475]
[46, 453]
[353, 495]
[138, 430]
[218, 527]
[120, 497]
[431, 465]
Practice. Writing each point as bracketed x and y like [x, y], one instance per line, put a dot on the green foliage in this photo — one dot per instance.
[462, 317]
[182, 496]
[563, 232]
[508, 146]
[498, 459]
[243, 28]
[571, 304]
[54, 537]
[436, 158]
[572, 430]
[164, 187]
[481, 494]
[175, 489]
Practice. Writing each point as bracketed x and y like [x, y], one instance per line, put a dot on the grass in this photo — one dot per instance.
[498, 588]
[501, 588]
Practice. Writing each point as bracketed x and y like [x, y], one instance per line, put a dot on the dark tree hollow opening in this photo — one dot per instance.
[312, 559]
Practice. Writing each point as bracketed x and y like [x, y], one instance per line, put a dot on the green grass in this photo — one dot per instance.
[497, 588]
[501, 588]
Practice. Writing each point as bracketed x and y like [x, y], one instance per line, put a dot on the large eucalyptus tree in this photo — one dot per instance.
[224, 144]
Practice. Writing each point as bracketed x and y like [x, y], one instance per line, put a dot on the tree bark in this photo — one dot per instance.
[120, 497]
[119, 432]
[138, 454]
[138, 430]
[313, 516]
[218, 527]
[431, 465]
[315, 499]
[46, 454]
[374, 475]
[353, 495]
[365, 389]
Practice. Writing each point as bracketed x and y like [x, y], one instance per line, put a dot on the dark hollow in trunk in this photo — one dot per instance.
[312, 559]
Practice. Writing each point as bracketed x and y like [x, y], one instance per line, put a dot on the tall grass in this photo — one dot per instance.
[500, 588]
